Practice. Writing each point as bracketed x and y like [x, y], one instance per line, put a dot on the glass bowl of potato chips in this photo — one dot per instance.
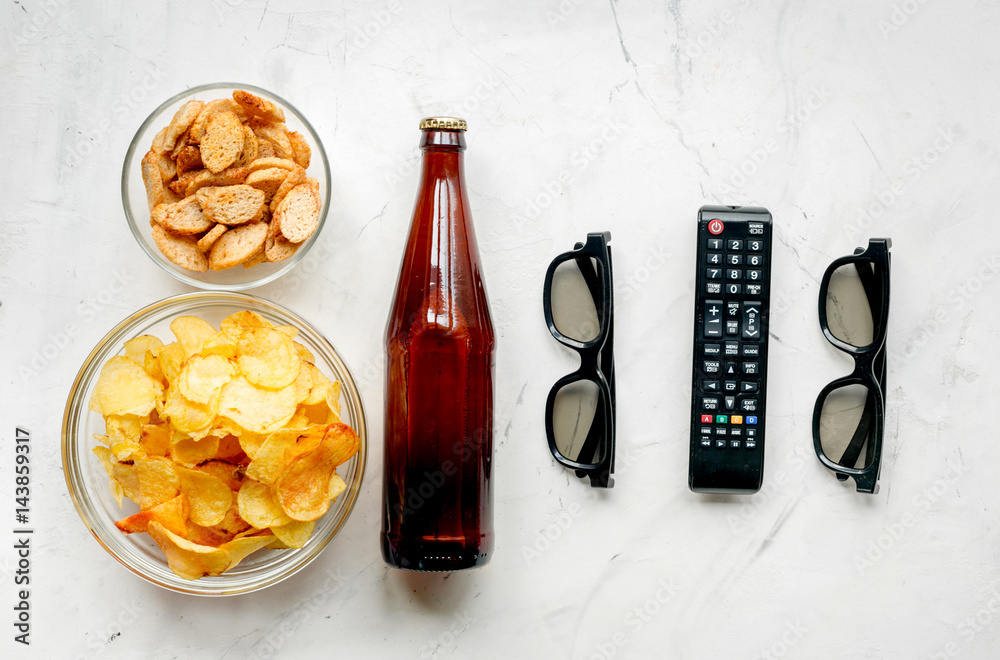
[226, 186]
[214, 443]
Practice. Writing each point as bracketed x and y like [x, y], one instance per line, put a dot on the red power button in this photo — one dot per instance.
[715, 227]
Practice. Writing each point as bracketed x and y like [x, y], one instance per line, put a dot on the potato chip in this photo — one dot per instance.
[172, 514]
[333, 398]
[155, 439]
[192, 332]
[221, 344]
[188, 417]
[151, 363]
[216, 535]
[233, 524]
[136, 348]
[124, 434]
[124, 388]
[189, 451]
[171, 358]
[235, 324]
[303, 382]
[256, 409]
[267, 358]
[147, 481]
[307, 441]
[344, 442]
[320, 386]
[208, 496]
[337, 486]
[294, 534]
[250, 443]
[186, 559]
[230, 449]
[93, 404]
[303, 490]
[298, 422]
[108, 462]
[304, 353]
[269, 461]
[230, 473]
[124, 428]
[203, 377]
[257, 506]
[239, 548]
[319, 413]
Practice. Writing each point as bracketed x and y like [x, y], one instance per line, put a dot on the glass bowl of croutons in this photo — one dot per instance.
[226, 186]
[253, 495]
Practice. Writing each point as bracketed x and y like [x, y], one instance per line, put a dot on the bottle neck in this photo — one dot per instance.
[442, 140]
[443, 162]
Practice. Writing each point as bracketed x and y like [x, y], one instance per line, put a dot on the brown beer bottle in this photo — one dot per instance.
[437, 498]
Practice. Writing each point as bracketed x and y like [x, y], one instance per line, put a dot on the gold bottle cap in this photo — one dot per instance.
[443, 124]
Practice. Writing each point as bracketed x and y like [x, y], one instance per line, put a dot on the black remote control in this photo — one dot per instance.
[732, 297]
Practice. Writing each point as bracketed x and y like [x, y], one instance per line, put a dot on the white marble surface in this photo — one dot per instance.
[850, 119]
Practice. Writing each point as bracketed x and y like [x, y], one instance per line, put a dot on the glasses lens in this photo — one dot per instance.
[848, 310]
[846, 425]
[576, 288]
[578, 421]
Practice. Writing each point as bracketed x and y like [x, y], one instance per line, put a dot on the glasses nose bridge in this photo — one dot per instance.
[864, 362]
